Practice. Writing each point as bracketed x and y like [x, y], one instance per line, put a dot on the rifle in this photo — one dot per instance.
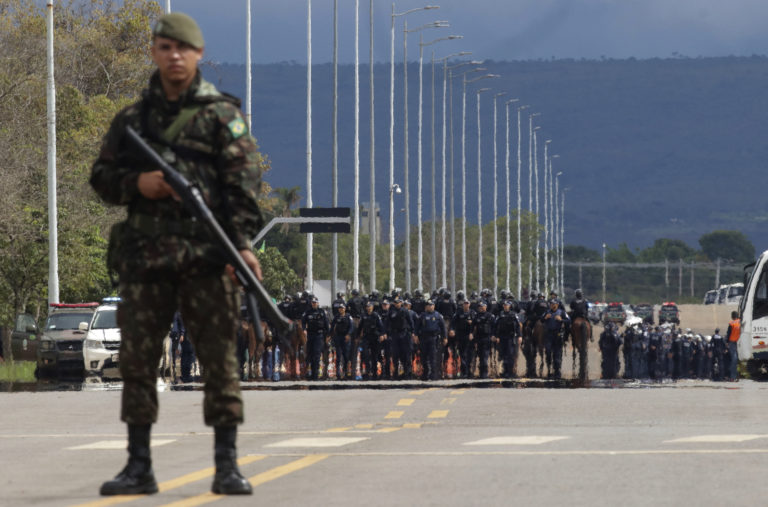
[255, 294]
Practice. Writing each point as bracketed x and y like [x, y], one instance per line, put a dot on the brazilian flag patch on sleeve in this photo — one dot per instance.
[237, 127]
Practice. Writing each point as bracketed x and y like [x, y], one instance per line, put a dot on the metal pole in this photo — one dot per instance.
[464, 186]
[604, 300]
[406, 183]
[310, 239]
[53, 228]
[335, 146]
[562, 250]
[248, 107]
[495, 200]
[433, 253]
[452, 208]
[530, 195]
[167, 6]
[556, 198]
[546, 215]
[479, 202]
[372, 211]
[443, 246]
[536, 235]
[519, 205]
[419, 246]
[356, 215]
[392, 148]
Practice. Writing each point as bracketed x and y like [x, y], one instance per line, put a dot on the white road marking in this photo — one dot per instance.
[113, 444]
[318, 442]
[517, 440]
[715, 439]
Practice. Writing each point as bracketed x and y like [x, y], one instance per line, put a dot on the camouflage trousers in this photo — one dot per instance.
[209, 308]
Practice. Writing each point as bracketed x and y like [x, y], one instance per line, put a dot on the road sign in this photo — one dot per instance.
[323, 220]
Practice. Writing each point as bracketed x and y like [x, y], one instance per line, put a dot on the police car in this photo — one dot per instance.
[102, 340]
[60, 351]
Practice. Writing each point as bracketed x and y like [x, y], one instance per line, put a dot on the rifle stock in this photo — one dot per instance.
[256, 295]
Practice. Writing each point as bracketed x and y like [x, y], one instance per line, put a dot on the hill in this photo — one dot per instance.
[649, 148]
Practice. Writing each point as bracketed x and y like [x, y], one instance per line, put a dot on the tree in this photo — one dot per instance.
[727, 245]
[666, 249]
[279, 277]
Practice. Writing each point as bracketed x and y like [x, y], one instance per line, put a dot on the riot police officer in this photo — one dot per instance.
[609, 343]
[337, 303]
[461, 330]
[342, 330]
[316, 325]
[507, 332]
[482, 332]
[371, 333]
[554, 320]
[431, 329]
[401, 333]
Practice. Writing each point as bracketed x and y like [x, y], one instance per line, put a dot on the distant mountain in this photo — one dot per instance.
[670, 148]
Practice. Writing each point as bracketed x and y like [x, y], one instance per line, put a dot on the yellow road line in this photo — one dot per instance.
[364, 426]
[395, 414]
[438, 414]
[168, 485]
[255, 481]
[338, 430]
[459, 391]
[389, 430]
[448, 401]
[412, 426]
[406, 402]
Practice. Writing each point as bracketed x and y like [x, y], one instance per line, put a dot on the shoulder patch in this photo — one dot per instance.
[237, 127]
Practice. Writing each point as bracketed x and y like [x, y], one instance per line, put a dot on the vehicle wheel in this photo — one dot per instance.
[757, 369]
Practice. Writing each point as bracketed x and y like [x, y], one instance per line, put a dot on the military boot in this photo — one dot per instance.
[137, 478]
[228, 480]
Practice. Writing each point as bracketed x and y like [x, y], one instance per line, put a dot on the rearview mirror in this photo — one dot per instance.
[83, 326]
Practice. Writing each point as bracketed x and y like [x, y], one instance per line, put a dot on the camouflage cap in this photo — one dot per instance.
[180, 27]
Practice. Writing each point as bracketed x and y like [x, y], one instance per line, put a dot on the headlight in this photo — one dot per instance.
[94, 344]
[47, 345]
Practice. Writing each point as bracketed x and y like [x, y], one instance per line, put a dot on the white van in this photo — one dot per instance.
[102, 340]
[753, 310]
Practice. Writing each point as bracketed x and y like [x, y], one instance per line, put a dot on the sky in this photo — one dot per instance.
[491, 29]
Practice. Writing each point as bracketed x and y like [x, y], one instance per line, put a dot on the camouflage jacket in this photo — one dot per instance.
[213, 149]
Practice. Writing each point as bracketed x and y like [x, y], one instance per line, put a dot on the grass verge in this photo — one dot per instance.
[17, 371]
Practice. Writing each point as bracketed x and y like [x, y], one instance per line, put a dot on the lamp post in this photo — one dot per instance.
[335, 146]
[392, 142]
[552, 230]
[495, 200]
[310, 238]
[419, 249]
[546, 214]
[479, 199]
[530, 190]
[452, 193]
[537, 235]
[506, 166]
[558, 274]
[464, 171]
[372, 206]
[356, 202]
[436, 24]
[519, 203]
[443, 246]
[604, 272]
[562, 240]
[394, 188]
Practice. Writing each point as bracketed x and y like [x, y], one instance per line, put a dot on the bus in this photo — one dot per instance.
[753, 311]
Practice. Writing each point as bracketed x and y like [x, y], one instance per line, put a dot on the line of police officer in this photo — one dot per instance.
[666, 352]
[447, 335]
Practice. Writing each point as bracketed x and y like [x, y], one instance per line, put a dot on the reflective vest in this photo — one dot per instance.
[735, 327]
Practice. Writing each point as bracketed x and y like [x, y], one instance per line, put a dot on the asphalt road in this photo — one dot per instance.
[450, 443]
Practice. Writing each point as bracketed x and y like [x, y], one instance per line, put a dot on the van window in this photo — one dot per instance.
[105, 319]
[760, 307]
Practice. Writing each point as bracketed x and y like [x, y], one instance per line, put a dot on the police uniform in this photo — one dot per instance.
[461, 324]
[609, 344]
[553, 345]
[342, 330]
[507, 331]
[400, 329]
[431, 328]
[483, 331]
[370, 330]
[315, 324]
[166, 260]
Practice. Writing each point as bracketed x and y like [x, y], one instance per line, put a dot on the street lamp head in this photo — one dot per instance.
[510, 101]
[396, 188]
[559, 173]
[500, 94]
[430, 7]
[536, 128]
[482, 90]
[555, 156]
[548, 141]
[454, 37]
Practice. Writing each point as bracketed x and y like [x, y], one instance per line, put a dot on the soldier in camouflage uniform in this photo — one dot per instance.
[165, 259]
